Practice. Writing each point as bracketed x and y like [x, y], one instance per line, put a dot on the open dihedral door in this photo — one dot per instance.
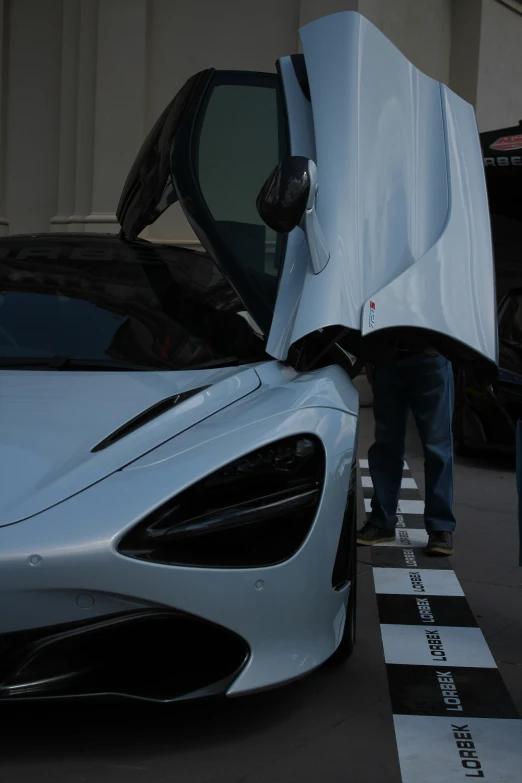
[401, 200]
[400, 213]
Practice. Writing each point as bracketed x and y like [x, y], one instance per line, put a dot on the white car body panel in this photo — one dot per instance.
[453, 283]
[292, 625]
[403, 210]
[402, 197]
[52, 419]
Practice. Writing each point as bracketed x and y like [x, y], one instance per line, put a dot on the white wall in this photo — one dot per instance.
[82, 81]
[499, 95]
[33, 72]
[121, 88]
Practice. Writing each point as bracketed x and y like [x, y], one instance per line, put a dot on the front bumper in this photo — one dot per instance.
[152, 655]
[62, 567]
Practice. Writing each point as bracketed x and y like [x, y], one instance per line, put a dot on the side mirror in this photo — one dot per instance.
[288, 199]
[282, 201]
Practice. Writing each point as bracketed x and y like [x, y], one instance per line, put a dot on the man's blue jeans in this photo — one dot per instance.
[423, 384]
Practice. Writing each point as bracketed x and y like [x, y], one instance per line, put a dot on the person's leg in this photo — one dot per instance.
[386, 455]
[429, 382]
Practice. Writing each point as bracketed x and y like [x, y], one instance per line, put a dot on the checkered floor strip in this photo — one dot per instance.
[454, 718]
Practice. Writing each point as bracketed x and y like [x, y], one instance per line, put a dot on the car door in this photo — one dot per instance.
[401, 202]
[239, 127]
[212, 149]
[402, 198]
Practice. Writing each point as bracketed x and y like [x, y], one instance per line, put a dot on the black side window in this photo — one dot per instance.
[240, 139]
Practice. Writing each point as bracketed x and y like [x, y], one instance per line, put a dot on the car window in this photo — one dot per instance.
[241, 139]
[52, 323]
[174, 314]
[148, 190]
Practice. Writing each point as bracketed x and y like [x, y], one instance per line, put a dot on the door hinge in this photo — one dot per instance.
[319, 252]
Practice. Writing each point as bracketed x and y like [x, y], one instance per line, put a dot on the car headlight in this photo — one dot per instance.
[255, 511]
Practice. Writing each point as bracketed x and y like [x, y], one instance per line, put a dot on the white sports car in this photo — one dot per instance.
[179, 428]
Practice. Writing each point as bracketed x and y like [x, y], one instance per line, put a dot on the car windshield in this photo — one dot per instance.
[138, 306]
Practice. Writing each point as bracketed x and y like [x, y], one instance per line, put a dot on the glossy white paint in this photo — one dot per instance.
[402, 198]
[383, 205]
[50, 421]
[451, 288]
[291, 625]
[297, 257]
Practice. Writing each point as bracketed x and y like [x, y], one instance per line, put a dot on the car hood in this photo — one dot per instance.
[50, 422]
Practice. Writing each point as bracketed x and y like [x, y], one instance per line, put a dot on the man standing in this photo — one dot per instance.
[420, 381]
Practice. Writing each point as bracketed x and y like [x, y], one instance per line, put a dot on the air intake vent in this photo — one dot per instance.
[143, 418]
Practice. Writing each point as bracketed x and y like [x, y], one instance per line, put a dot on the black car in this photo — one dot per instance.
[486, 411]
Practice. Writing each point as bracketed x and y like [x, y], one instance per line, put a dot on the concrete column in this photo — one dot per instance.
[499, 97]
[71, 21]
[4, 38]
[33, 98]
[84, 117]
[120, 104]
[466, 23]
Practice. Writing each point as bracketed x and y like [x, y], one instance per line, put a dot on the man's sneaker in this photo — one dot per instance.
[370, 534]
[440, 543]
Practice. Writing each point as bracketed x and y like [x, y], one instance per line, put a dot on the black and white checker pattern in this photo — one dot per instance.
[454, 718]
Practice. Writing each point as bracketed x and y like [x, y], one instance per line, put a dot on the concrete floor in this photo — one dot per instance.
[336, 725]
